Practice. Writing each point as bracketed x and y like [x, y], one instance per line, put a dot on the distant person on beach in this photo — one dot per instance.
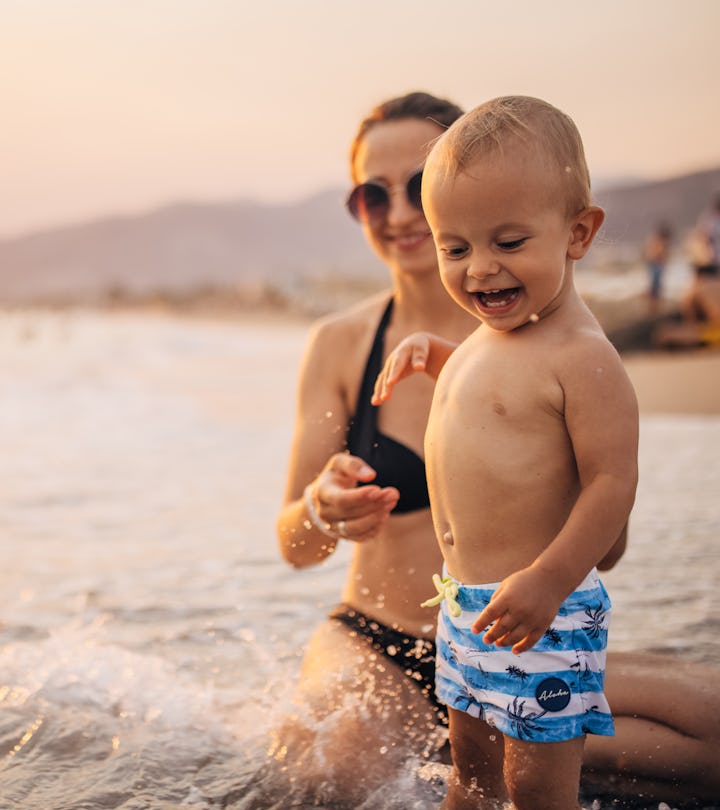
[708, 229]
[656, 253]
[531, 477]
[365, 698]
[700, 305]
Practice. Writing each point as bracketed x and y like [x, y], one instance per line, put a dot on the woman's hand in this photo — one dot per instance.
[351, 512]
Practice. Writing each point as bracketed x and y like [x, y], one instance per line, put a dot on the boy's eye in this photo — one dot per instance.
[454, 252]
[511, 244]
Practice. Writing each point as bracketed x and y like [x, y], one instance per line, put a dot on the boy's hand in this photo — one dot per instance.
[520, 611]
[408, 357]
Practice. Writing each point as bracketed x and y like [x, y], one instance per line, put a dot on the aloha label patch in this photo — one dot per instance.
[553, 694]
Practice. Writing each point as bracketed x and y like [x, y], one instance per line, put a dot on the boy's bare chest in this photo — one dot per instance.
[496, 426]
[514, 389]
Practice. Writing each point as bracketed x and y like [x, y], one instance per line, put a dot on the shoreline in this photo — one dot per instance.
[666, 381]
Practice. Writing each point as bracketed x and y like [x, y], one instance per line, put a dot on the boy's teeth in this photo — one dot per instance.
[497, 298]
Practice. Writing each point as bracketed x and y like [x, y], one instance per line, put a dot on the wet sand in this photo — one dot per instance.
[676, 382]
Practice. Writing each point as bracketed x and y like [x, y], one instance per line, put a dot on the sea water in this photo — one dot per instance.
[149, 632]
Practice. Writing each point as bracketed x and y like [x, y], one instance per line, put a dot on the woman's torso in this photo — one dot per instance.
[390, 575]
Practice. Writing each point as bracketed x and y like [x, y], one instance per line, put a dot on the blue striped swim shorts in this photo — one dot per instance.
[550, 693]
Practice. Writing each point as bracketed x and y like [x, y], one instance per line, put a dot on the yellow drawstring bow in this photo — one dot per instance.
[447, 588]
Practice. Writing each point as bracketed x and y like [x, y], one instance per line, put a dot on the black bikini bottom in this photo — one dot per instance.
[414, 656]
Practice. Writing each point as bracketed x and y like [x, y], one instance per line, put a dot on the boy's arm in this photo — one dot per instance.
[602, 423]
[613, 557]
[421, 351]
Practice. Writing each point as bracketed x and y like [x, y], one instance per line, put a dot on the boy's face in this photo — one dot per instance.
[502, 237]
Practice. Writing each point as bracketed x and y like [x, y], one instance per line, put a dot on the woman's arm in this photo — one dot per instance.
[318, 461]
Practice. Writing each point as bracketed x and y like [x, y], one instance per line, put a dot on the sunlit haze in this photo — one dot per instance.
[122, 107]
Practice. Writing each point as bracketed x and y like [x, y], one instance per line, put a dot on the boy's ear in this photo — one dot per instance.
[583, 230]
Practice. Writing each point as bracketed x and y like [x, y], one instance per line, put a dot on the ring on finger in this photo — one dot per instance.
[342, 529]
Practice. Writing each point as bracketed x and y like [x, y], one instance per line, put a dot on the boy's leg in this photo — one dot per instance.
[543, 776]
[477, 781]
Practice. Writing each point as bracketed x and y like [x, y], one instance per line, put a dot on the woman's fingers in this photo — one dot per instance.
[362, 528]
[338, 498]
[351, 469]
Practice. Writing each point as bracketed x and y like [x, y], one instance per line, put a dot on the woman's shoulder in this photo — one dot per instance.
[338, 345]
[352, 325]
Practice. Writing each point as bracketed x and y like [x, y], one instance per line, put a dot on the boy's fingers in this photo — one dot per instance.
[495, 633]
[393, 366]
[480, 623]
[504, 631]
[526, 643]
[376, 397]
[384, 382]
[486, 618]
[380, 392]
[419, 358]
[401, 363]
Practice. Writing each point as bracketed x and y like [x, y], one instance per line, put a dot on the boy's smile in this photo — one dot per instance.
[496, 300]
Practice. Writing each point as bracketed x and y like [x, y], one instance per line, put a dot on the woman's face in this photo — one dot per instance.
[390, 153]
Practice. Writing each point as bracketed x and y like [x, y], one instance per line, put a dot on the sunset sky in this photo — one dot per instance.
[119, 107]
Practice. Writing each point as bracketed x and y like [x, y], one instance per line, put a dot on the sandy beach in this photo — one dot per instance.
[676, 382]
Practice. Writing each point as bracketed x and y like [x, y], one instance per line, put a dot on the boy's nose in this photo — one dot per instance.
[483, 265]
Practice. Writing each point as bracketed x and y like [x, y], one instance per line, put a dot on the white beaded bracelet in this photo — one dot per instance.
[315, 519]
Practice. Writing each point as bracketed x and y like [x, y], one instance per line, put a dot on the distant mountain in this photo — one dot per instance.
[245, 246]
[185, 247]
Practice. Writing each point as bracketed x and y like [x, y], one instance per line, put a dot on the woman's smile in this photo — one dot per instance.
[410, 241]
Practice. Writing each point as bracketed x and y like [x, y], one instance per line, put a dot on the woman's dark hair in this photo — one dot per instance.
[417, 105]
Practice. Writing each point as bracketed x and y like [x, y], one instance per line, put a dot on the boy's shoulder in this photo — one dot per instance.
[588, 362]
[584, 343]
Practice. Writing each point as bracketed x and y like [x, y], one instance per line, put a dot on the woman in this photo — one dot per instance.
[366, 680]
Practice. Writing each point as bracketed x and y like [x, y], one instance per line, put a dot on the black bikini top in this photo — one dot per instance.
[395, 464]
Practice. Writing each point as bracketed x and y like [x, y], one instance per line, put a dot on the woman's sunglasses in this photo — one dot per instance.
[371, 201]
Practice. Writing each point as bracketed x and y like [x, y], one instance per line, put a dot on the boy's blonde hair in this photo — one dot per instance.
[519, 121]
